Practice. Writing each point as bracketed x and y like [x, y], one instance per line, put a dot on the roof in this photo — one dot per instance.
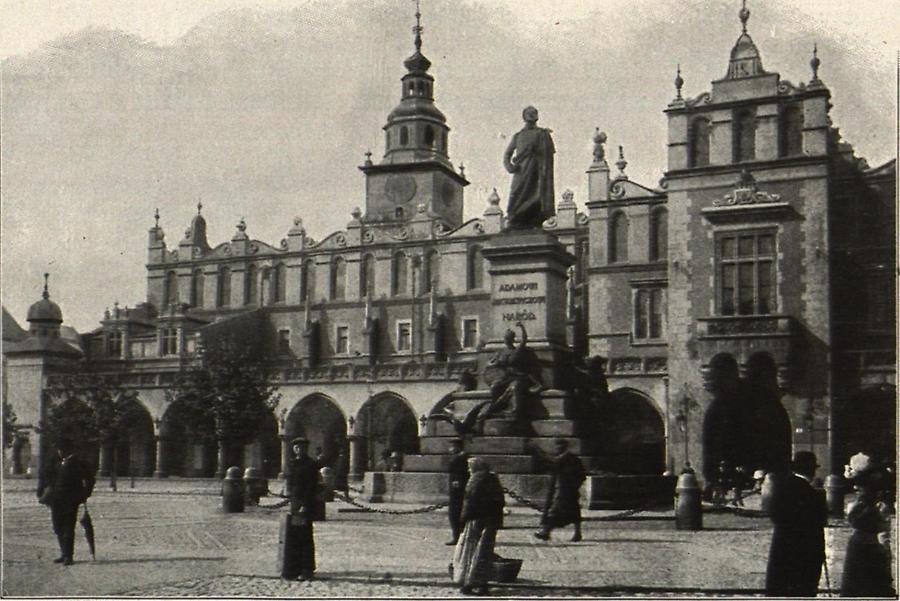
[10, 328]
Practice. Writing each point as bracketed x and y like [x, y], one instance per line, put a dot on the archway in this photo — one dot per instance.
[72, 419]
[319, 419]
[264, 453]
[770, 425]
[866, 422]
[387, 423]
[187, 447]
[631, 433]
[136, 450]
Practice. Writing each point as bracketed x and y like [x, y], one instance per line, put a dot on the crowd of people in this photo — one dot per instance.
[792, 497]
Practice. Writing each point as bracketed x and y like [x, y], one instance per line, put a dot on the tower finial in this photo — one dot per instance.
[622, 163]
[199, 206]
[679, 82]
[744, 15]
[156, 217]
[46, 294]
[815, 62]
[418, 29]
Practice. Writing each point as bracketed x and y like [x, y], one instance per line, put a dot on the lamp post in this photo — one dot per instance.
[681, 418]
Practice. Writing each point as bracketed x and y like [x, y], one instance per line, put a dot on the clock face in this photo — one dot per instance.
[400, 188]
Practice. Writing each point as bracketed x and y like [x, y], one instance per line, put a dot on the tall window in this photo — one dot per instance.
[169, 341]
[744, 136]
[404, 136]
[404, 336]
[341, 340]
[469, 333]
[367, 277]
[649, 313]
[399, 274]
[338, 278]
[171, 289]
[197, 288]
[746, 273]
[114, 344]
[659, 234]
[284, 342]
[432, 270]
[223, 290]
[251, 285]
[475, 269]
[429, 135]
[618, 238]
[308, 281]
[699, 142]
[279, 283]
[265, 286]
[791, 131]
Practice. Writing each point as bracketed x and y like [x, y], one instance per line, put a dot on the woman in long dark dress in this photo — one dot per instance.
[482, 514]
[867, 564]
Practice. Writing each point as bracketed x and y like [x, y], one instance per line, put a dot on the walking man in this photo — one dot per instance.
[458, 477]
[299, 561]
[562, 506]
[799, 513]
[66, 483]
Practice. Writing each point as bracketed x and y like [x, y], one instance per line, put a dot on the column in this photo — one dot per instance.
[356, 456]
[105, 454]
[285, 457]
[159, 470]
[220, 460]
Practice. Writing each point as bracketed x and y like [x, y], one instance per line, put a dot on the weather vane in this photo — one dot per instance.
[418, 29]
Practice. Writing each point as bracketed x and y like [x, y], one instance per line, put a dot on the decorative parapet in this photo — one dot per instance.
[746, 202]
[638, 366]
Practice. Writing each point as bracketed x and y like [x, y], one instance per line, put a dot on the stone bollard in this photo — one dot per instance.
[233, 491]
[688, 510]
[835, 490]
[255, 485]
[327, 483]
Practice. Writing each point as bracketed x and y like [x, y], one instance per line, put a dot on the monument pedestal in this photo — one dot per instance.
[528, 285]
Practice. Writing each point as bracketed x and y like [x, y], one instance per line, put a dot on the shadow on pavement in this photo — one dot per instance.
[149, 560]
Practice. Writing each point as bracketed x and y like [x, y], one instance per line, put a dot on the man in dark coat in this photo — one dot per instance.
[302, 484]
[66, 483]
[562, 506]
[799, 513]
[458, 477]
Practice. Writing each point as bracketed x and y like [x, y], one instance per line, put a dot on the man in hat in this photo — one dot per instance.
[66, 483]
[458, 477]
[302, 481]
[799, 514]
[562, 506]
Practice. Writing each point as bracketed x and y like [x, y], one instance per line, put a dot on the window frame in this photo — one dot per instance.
[737, 260]
[282, 348]
[338, 328]
[646, 289]
[462, 332]
[397, 325]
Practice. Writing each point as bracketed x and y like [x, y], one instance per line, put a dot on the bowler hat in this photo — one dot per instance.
[804, 461]
[299, 440]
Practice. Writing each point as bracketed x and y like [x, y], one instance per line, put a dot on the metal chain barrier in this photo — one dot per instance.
[426, 509]
[284, 502]
[527, 502]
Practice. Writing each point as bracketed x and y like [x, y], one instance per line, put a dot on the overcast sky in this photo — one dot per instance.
[264, 109]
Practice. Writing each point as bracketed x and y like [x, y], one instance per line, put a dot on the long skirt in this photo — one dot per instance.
[867, 568]
[474, 554]
[298, 549]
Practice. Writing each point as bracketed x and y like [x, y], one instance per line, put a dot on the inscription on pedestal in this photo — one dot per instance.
[519, 301]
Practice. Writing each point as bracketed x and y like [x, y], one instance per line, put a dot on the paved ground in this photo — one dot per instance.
[172, 540]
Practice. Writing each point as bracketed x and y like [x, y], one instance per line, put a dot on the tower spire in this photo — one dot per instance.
[418, 29]
[46, 293]
[679, 82]
[815, 62]
[744, 15]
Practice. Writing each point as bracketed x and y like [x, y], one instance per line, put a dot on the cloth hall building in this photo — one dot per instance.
[753, 285]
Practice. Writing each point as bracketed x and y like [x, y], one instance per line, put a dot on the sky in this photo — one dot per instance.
[263, 110]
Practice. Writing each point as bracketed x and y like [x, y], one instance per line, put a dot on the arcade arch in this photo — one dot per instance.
[385, 423]
[631, 433]
[183, 449]
[319, 419]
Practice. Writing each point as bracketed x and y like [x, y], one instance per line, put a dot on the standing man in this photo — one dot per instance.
[458, 477]
[799, 513]
[562, 506]
[299, 561]
[66, 483]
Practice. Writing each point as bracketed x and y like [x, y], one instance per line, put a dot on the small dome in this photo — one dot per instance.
[416, 108]
[417, 63]
[744, 48]
[45, 309]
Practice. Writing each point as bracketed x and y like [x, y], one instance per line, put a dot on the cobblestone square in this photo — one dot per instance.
[173, 540]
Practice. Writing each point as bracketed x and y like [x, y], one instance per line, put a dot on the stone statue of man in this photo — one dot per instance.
[529, 157]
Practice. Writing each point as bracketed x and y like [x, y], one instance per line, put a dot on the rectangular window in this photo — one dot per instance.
[746, 273]
[649, 313]
[469, 333]
[404, 336]
[169, 344]
[284, 342]
[114, 344]
[341, 340]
